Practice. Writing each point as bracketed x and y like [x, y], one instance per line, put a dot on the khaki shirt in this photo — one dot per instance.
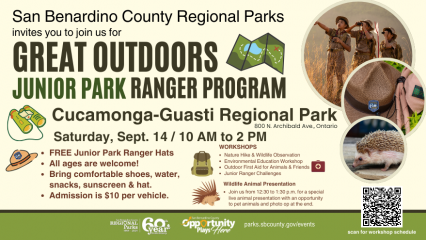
[388, 52]
[339, 34]
[361, 41]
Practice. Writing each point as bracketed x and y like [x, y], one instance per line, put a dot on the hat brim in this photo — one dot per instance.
[13, 168]
[369, 24]
[354, 114]
[390, 30]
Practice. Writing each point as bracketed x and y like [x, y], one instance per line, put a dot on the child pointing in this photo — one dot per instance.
[336, 63]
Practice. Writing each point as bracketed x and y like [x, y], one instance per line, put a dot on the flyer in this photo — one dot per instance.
[227, 119]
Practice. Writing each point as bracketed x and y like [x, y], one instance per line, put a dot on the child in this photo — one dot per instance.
[365, 42]
[388, 47]
[336, 62]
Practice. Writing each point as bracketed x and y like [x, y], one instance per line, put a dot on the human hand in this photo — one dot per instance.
[405, 72]
[337, 40]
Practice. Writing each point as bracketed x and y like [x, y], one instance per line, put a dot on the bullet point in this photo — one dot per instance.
[42, 163]
[42, 174]
[223, 191]
[220, 167]
[220, 155]
[42, 195]
[220, 173]
[220, 161]
[42, 152]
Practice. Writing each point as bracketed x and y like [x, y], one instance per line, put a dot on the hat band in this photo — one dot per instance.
[359, 106]
[22, 161]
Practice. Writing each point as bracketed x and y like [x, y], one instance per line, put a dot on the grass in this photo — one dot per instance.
[316, 64]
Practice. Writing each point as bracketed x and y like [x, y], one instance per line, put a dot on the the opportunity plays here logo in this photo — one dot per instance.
[208, 225]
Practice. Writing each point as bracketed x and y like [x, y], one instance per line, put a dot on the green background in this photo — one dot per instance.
[96, 225]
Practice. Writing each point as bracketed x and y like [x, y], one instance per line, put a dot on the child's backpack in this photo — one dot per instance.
[202, 165]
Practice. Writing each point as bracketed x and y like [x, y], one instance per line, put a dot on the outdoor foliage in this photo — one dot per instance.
[397, 66]
[414, 119]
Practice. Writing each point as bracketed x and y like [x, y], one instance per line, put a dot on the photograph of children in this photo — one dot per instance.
[345, 37]
[387, 89]
[373, 149]
[365, 42]
[389, 48]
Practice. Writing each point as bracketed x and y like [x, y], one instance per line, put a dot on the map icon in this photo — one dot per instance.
[266, 49]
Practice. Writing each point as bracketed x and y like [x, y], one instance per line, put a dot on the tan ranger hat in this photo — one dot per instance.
[370, 92]
[369, 23]
[389, 29]
[19, 159]
[344, 19]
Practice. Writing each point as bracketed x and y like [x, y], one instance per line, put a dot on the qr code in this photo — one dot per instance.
[381, 207]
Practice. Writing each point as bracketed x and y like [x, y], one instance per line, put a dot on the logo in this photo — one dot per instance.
[18, 155]
[318, 166]
[373, 105]
[159, 226]
[129, 225]
[209, 225]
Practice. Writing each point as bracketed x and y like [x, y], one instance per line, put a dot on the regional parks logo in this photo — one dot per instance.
[208, 225]
[129, 225]
[159, 226]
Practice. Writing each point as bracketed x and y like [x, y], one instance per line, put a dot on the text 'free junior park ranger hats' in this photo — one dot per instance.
[19, 159]
[370, 92]
[344, 19]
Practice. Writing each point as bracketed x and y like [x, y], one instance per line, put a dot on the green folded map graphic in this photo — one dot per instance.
[266, 49]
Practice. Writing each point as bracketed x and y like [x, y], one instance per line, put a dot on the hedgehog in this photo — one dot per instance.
[380, 147]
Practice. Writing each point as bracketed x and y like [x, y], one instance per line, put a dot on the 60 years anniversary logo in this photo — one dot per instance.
[158, 226]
